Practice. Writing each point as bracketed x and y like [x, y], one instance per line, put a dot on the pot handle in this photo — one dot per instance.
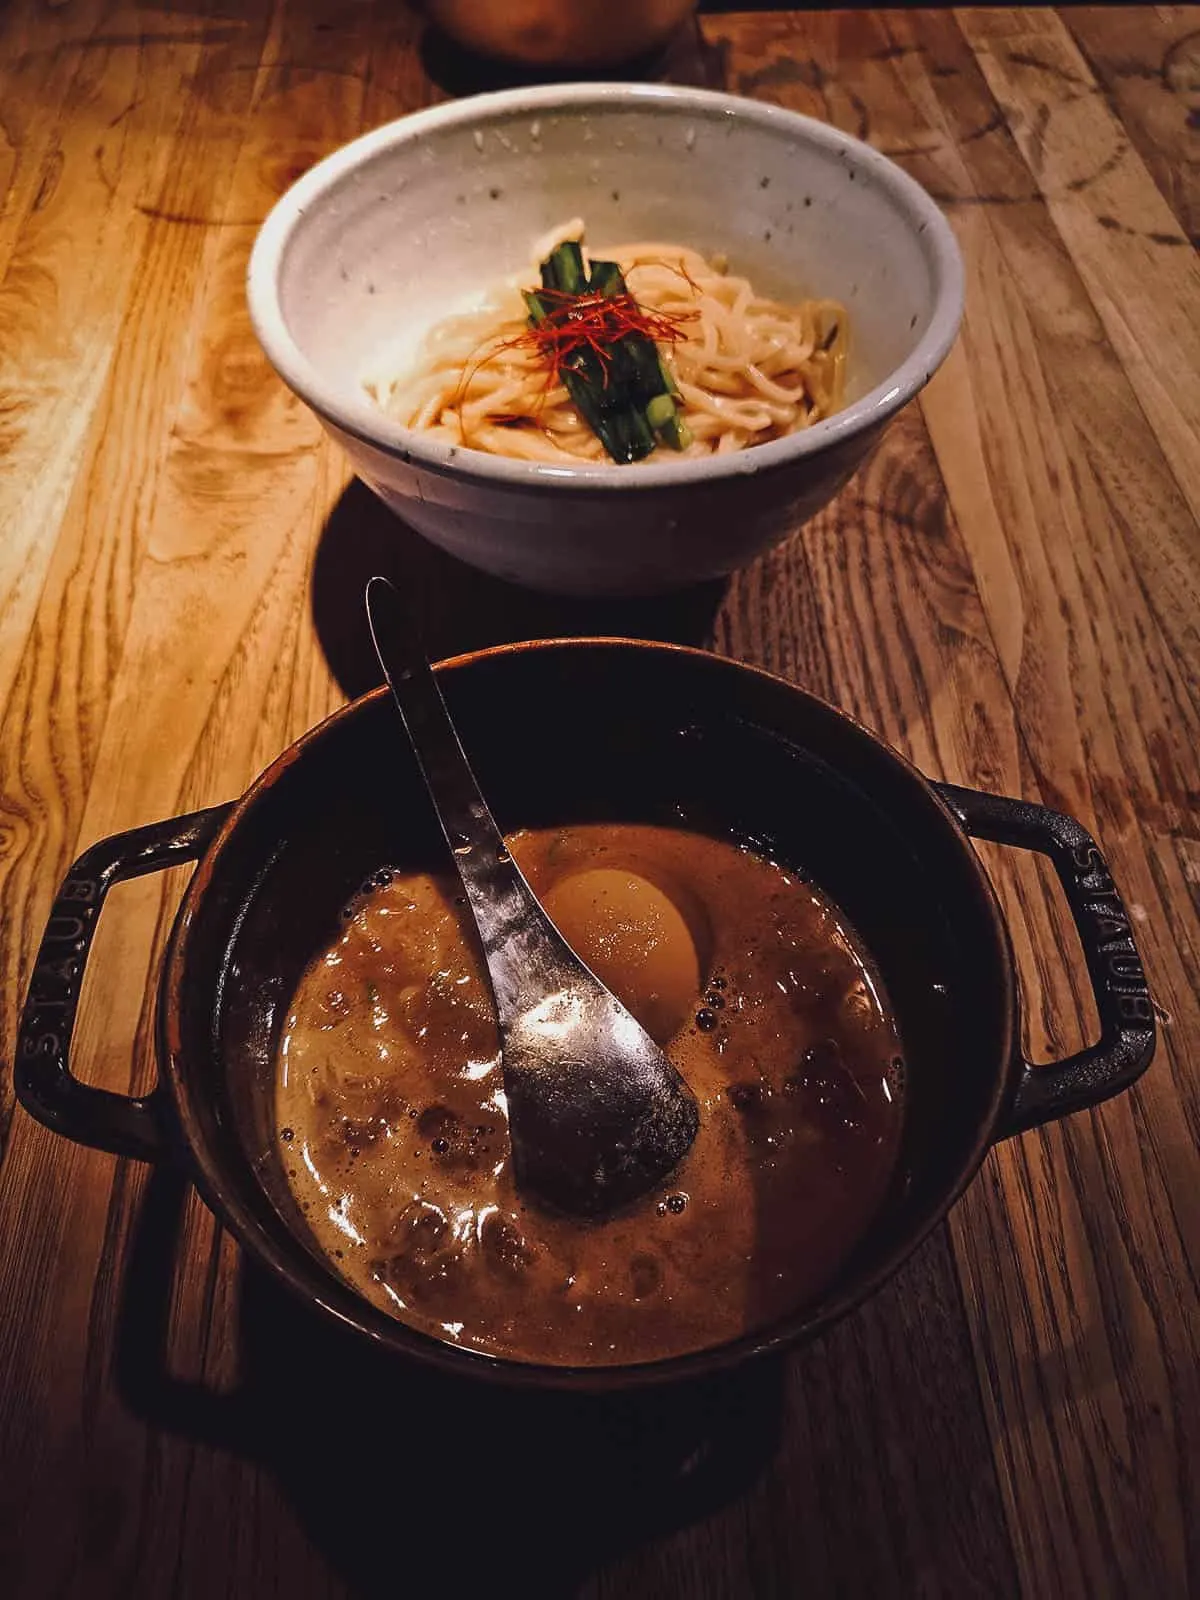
[128, 1125]
[1126, 1013]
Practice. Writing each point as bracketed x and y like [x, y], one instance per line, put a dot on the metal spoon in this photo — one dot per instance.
[597, 1114]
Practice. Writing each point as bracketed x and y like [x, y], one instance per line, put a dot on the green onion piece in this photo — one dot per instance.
[538, 310]
[628, 398]
[607, 278]
[563, 269]
[669, 427]
[660, 411]
[602, 402]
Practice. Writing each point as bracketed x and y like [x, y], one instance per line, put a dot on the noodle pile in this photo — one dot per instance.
[747, 368]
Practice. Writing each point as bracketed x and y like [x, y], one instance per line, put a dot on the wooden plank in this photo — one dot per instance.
[1090, 174]
[213, 607]
[1092, 507]
[1062, 535]
[1147, 61]
[75, 243]
[1094, 498]
[846, 1503]
[37, 69]
[74, 541]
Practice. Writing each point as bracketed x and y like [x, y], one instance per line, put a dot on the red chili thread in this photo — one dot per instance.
[578, 322]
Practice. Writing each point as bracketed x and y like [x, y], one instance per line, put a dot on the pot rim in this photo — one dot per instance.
[306, 1276]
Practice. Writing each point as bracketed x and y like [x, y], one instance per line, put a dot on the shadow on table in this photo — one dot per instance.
[863, 1466]
[402, 1476]
[686, 58]
[460, 608]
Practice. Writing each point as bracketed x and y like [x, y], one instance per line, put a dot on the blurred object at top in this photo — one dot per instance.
[560, 33]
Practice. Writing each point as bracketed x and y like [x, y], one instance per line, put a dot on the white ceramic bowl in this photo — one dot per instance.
[411, 222]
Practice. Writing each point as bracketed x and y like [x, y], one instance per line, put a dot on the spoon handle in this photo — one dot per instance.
[506, 911]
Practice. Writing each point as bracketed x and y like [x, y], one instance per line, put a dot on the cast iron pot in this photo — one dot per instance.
[565, 731]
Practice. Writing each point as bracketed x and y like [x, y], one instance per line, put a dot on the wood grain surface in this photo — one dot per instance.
[1009, 594]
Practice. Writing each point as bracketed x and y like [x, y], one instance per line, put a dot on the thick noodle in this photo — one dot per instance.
[748, 369]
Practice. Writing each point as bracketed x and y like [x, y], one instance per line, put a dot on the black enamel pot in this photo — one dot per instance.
[564, 731]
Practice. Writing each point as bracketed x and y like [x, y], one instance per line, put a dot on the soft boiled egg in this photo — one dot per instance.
[636, 941]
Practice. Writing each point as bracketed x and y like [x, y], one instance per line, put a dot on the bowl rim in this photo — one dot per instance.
[319, 1286]
[363, 421]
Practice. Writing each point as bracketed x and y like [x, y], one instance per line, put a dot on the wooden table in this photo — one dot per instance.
[1009, 594]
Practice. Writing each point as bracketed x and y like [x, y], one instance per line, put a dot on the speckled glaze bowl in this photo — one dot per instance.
[412, 221]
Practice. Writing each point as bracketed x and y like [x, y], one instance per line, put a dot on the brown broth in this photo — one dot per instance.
[392, 1121]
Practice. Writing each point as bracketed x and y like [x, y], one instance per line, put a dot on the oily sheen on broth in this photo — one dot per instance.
[392, 1123]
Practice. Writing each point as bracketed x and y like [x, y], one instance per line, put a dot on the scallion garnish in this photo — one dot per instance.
[603, 347]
